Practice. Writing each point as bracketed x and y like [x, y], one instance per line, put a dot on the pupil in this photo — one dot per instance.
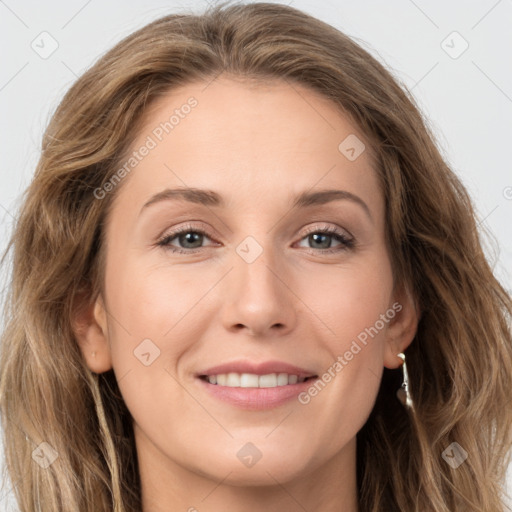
[189, 238]
[326, 237]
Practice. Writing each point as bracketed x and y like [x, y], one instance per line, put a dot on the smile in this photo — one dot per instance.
[255, 386]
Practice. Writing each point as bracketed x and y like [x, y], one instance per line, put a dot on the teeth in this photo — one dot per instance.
[268, 381]
[233, 380]
[250, 380]
[282, 379]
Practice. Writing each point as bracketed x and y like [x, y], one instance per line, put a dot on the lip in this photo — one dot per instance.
[263, 368]
[256, 399]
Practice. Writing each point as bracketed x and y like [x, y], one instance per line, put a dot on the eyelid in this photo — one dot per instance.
[184, 228]
[329, 228]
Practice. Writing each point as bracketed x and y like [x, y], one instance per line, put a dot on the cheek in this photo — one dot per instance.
[354, 306]
[158, 313]
[153, 320]
[347, 300]
[150, 301]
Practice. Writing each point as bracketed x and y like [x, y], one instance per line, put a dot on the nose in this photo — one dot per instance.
[259, 298]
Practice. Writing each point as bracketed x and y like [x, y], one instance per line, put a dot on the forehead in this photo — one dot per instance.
[279, 114]
[245, 138]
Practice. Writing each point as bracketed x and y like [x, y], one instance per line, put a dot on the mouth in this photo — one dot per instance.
[253, 386]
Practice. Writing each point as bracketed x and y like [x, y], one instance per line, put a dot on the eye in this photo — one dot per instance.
[188, 237]
[322, 239]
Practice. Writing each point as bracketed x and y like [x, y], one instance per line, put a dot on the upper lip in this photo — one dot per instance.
[262, 368]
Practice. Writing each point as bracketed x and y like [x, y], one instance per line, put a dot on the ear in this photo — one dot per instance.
[89, 324]
[402, 328]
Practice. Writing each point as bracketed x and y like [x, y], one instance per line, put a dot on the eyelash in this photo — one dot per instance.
[347, 243]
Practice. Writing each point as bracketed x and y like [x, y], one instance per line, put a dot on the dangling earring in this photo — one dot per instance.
[403, 392]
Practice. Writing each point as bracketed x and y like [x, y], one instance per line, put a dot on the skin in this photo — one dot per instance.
[259, 147]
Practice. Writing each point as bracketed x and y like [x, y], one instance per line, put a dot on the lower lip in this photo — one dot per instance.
[256, 399]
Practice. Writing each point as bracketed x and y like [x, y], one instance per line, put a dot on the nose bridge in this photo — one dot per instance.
[259, 299]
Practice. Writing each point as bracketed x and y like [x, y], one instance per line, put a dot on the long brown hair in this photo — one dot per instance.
[460, 362]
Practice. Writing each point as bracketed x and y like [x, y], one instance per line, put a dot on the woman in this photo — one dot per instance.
[255, 369]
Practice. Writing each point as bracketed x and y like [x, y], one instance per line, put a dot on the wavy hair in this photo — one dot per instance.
[460, 361]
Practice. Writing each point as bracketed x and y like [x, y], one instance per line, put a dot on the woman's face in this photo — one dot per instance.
[253, 292]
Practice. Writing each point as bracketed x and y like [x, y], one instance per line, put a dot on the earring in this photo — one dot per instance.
[403, 392]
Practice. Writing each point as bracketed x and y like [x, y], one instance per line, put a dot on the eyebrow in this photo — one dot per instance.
[211, 198]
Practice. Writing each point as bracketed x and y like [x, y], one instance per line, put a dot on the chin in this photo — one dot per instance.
[283, 467]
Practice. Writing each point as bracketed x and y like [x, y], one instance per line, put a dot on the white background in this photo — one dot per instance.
[467, 100]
